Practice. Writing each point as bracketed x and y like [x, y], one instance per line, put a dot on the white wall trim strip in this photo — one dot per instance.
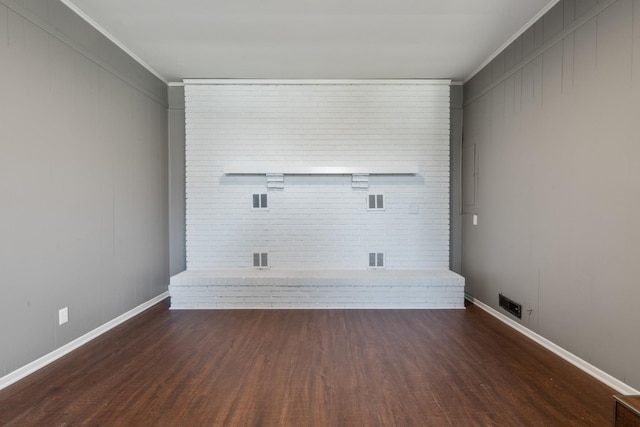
[316, 82]
[108, 35]
[506, 44]
[597, 373]
[45, 360]
[315, 307]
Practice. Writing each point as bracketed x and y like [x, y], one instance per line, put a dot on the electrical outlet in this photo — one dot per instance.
[63, 316]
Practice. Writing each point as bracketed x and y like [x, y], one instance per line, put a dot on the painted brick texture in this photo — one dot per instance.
[317, 222]
[317, 289]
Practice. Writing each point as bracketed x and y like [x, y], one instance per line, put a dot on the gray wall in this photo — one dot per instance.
[456, 123]
[550, 166]
[177, 225]
[83, 180]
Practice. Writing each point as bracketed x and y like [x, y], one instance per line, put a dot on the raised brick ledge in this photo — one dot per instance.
[253, 288]
[373, 275]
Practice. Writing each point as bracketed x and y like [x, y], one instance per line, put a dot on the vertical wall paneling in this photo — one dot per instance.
[558, 185]
[553, 22]
[83, 182]
[581, 7]
[177, 179]
[456, 178]
[568, 11]
[317, 222]
[5, 247]
[635, 29]
[469, 177]
[568, 53]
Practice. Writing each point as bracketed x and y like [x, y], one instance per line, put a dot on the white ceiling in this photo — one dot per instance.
[311, 39]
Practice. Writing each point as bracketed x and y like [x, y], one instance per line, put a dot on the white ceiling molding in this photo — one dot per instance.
[506, 44]
[117, 42]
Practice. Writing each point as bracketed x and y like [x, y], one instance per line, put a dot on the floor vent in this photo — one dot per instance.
[510, 305]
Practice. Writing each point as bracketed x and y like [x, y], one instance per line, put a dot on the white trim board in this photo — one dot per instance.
[263, 168]
[329, 307]
[506, 44]
[579, 363]
[56, 354]
[317, 82]
[115, 41]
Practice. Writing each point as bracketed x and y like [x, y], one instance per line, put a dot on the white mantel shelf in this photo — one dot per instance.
[289, 169]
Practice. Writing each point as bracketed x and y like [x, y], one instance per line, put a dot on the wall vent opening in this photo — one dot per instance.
[260, 260]
[375, 202]
[510, 305]
[376, 260]
[260, 201]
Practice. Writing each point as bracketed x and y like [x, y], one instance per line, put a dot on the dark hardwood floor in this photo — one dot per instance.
[309, 368]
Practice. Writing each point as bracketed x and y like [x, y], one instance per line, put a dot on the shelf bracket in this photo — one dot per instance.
[360, 181]
[275, 181]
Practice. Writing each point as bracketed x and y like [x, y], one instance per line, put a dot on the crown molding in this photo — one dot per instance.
[115, 41]
[506, 44]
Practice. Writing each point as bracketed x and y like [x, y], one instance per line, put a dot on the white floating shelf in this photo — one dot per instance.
[291, 169]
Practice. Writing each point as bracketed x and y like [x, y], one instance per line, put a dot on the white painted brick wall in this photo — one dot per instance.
[317, 222]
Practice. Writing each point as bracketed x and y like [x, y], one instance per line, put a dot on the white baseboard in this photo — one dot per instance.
[587, 367]
[305, 307]
[30, 368]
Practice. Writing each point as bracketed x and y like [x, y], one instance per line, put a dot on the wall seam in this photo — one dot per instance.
[562, 68]
[7, 25]
[633, 36]
[541, 82]
[597, 40]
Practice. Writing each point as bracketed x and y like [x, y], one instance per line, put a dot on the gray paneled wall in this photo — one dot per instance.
[83, 181]
[456, 117]
[551, 130]
[177, 180]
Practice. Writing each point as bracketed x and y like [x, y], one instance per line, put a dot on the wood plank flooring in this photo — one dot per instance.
[309, 368]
